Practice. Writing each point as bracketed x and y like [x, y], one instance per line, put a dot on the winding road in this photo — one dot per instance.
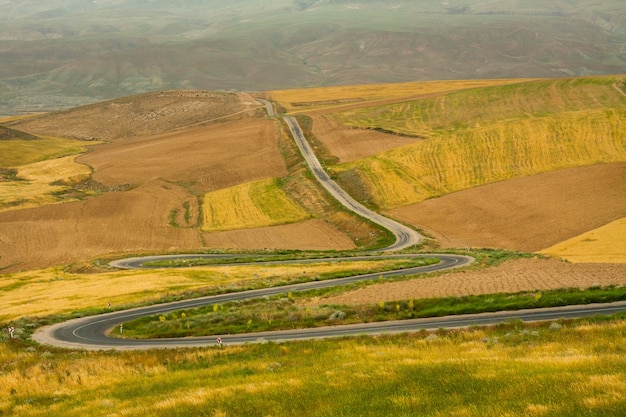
[92, 332]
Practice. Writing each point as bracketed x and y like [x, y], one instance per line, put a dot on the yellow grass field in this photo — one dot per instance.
[17, 152]
[535, 371]
[442, 165]
[256, 204]
[472, 108]
[485, 135]
[307, 99]
[605, 244]
[54, 291]
[34, 186]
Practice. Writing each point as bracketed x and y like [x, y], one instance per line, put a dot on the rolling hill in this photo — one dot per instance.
[228, 178]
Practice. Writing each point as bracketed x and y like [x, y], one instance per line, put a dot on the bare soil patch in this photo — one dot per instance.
[144, 114]
[525, 214]
[349, 144]
[308, 235]
[113, 223]
[510, 277]
[211, 157]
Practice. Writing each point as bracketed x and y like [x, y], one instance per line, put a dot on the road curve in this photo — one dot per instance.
[91, 332]
[405, 236]
[269, 107]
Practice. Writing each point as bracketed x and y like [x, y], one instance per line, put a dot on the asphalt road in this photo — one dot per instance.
[405, 236]
[269, 107]
[91, 332]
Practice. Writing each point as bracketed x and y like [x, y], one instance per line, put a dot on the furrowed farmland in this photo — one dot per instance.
[481, 136]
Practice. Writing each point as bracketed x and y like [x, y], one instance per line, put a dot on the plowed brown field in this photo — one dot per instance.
[510, 277]
[352, 144]
[526, 214]
[117, 222]
[307, 235]
[212, 157]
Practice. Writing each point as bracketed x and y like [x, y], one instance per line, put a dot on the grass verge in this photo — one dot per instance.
[291, 312]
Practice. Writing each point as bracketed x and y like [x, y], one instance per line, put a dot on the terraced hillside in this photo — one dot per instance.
[481, 136]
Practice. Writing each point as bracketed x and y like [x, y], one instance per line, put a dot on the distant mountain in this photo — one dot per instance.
[63, 53]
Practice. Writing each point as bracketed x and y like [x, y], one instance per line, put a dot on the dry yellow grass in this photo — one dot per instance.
[474, 157]
[306, 99]
[17, 152]
[605, 244]
[571, 371]
[8, 119]
[471, 108]
[256, 204]
[53, 291]
[35, 184]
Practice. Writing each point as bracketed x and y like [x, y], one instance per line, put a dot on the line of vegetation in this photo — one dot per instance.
[391, 264]
[291, 312]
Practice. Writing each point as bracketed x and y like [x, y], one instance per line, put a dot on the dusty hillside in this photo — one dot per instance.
[144, 114]
[526, 214]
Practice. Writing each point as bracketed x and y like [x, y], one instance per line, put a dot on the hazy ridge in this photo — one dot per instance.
[64, 53]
